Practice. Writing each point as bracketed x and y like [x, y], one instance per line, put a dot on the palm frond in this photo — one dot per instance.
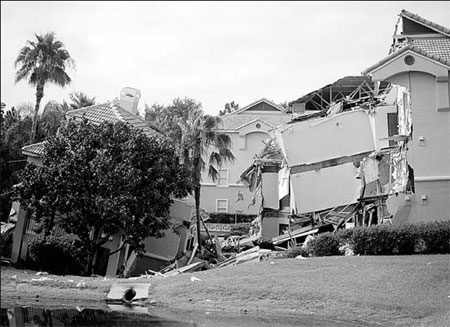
[213, 173]
[215, 159]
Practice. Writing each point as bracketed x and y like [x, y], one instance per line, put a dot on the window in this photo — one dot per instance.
[222, 205]
[392, 121]
[223, 177]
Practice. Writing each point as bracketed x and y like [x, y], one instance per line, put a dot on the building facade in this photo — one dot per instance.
[248, 128]
[419, 59]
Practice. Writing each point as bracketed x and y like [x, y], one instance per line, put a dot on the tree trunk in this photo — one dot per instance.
[92, 250]
[90, 261]
[39, 96]
[197, 214]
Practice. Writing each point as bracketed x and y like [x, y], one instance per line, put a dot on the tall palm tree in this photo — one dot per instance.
[202, 141]
[40, 62]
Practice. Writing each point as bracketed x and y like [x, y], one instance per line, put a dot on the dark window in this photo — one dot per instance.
[392, 120]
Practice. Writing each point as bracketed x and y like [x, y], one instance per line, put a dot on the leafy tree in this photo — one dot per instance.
[80, 100]
[203, 147]
[98, 180]
[228, 108]
[166, 118]
[200, 144]
[40, 62]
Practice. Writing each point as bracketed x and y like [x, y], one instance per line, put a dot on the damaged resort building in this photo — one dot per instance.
[361, 151]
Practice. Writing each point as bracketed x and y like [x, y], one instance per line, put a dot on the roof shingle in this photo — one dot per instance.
[430, 24]
[98, 114]
[112, 113]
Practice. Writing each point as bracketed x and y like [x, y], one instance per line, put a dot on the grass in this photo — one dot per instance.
[384, 290]
[389, 290]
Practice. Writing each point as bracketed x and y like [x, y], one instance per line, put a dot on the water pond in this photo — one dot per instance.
[135, 316]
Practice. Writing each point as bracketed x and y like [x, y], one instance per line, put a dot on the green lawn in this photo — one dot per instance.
[384, 290]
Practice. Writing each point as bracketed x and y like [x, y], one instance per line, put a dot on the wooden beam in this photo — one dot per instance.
[328, 163]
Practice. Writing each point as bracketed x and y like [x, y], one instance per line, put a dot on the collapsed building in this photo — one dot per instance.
[335, 167]
[377, 153]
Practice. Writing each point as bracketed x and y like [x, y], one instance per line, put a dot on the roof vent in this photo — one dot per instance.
[129, 99]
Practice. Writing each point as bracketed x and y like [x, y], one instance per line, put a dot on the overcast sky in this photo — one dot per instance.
[214, 52]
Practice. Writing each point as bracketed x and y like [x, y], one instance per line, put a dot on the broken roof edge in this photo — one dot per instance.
[397, 53]
[425, 22]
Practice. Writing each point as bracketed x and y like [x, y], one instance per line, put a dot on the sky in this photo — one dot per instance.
[213, 52]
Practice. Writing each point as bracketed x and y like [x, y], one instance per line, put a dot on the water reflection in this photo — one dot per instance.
[135, 316]
[115, 317]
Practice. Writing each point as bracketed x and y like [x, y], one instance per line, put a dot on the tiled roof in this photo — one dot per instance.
[97, 114]
[34, 150]
[434, 46]
[431, 46]
[234, 121]
[112, 113]
[404, 49]
[430, 24]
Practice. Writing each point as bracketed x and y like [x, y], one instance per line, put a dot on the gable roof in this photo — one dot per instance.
[256, 106]
[425, 22]
[412, 48]
[420, 36]
[264, 110]
[111, 113]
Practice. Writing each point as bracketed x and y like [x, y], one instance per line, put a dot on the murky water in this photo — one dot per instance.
[135, 316]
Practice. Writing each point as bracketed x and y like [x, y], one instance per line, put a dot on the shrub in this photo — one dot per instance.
[57, 255]
[296, 251]
[405, 238]
[435, 236]
[431, 237]
[325, 244]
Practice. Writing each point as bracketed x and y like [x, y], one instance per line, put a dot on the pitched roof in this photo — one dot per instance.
[256, 106]
[111, 113]
[416, 18]
[235, 121]
[420, 36]
[263, 109]
[34, 150]
[404, 49]
[97, 114]
[439, 47]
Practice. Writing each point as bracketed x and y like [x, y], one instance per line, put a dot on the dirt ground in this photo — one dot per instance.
[380, 290]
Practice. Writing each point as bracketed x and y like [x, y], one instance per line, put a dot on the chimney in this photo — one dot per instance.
[298, 108]
[129, 99]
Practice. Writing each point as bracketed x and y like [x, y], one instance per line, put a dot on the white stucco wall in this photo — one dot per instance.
[429, 148]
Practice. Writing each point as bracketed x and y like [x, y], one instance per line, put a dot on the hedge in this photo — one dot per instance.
[431, 238]
[56, 255]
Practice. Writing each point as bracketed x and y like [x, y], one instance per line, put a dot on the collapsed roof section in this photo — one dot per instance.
[348, 89]
[425, 36]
